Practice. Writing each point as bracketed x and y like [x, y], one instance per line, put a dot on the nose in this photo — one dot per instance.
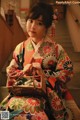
[33, 25]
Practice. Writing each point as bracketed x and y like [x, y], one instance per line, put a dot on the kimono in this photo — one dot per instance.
[57, 68]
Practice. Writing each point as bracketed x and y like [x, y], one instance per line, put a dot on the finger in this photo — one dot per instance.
[13, 75]
[16, 74]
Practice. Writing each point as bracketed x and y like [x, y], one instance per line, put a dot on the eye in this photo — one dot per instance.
[40, 23]
[30, 20]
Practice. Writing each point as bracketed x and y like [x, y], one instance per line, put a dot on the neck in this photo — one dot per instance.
[36, 40]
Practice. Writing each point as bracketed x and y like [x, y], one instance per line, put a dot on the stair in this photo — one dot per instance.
[62, 37]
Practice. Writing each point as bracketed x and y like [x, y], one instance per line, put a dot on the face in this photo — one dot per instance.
[36, 28]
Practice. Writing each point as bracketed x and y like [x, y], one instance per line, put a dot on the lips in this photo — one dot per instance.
[33, 32]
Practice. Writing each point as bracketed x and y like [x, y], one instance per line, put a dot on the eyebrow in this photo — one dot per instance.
[40, 20]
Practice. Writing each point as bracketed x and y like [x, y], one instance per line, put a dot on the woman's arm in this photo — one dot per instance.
[56, 83]
[64, 68]
[12, 70]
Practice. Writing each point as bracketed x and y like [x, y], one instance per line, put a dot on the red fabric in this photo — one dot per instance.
[52, 81]
[68, 96]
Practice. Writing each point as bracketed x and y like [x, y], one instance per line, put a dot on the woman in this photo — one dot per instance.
[39, 56]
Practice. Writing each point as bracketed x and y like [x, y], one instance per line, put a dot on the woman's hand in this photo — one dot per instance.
[32, 69]
[29, 69]
[14, 73]
[36, 68]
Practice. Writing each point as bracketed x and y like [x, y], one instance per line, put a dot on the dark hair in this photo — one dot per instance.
[42, 9]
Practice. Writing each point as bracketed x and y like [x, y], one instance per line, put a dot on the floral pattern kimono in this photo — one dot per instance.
[58, 70]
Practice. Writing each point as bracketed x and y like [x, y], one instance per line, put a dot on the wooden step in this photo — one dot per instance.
[76, 67]
[75, 81]
[75, 56]
[3, 93]
[76, 94]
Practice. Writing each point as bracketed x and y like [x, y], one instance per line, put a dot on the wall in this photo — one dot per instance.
[6, 38]
[74, 27]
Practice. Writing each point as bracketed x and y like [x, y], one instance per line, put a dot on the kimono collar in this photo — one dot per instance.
[36, 46]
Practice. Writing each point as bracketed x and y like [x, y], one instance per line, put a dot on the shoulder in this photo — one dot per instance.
[21, 44]
[54, 44]
[18, 47]
[18, 50]
[49, 40]
[59, 47]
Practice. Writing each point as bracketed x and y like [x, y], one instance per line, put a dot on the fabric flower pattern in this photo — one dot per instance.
[56, 103]
[45, 48]
[40, 116]
[49, 61]
[33, 105]
[68, 65]
[16, 103]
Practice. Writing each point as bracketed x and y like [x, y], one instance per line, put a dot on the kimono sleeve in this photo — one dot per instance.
[14, 61]
[64, 67]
